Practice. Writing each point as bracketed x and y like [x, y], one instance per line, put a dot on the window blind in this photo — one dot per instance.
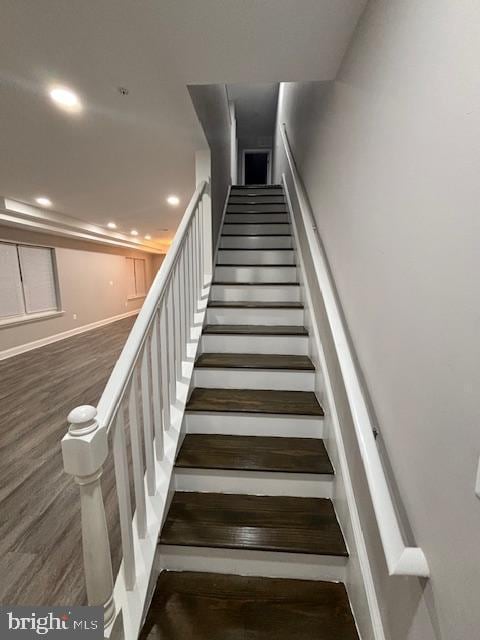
[140, 280]
[131, 293]
[11, 296]
[39, 288]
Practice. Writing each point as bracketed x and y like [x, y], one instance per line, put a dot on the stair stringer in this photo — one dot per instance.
[358, 579]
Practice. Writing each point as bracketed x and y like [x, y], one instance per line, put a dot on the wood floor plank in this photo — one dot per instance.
[40, 538]
[255, 330]
[254, 361]
[268, 523]
[254, 453]
[210, 606]
[254, 401]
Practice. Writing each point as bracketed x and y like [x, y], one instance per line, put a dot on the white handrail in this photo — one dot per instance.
[119, 377]
[401, 559]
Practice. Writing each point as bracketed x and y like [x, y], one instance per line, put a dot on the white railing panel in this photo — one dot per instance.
[401, 559]
[142, 385]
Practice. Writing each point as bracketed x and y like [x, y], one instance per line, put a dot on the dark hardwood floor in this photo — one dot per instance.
[269, 523]
[210, 606]
[40, 538]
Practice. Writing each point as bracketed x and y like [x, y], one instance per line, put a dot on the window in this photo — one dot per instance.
[137, 285]
[27, 281]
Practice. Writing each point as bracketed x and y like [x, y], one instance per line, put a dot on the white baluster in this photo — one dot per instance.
[183, 306]
[84, 450]
[191, 310]
[137, 458]
[201, 246]
[195, 255]
[155, 358]
[198, 218]
[146, 389]
[164, 357]
[208, 240]
[171, 339]
[177, 325]
[124, 499]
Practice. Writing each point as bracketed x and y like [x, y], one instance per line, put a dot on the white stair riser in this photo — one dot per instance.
[267, 483]
[217, 315]
[248, 424]
[280, 256]
[278, 380]
[285, 345]
[252, 293]
[256, 242]
[255, 274]
[256, 229]
[256, 218]
[269, 564]
[257, 207]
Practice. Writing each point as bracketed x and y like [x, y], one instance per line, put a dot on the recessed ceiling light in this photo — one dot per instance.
[111, 225]
[148, 237]
[134, 232]
[66, 99]
[173, 200]
[43, 202]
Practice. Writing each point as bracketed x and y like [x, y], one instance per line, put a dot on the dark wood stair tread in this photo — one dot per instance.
[254, 361]
[256, 264]
[256, 235]
[267, 523]
[255, 330]
[255, 305]
[225, 283]
[252, 223]
[254, 401]
[189, 605]
[254, 453]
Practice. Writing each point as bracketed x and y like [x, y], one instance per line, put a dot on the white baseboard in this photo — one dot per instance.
[29, 346]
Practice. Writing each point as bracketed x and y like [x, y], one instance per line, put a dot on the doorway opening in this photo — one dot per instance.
[257, 166]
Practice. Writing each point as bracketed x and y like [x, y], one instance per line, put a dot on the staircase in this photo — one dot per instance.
[251, 546]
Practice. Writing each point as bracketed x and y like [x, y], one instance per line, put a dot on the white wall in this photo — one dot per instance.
[92, 281]
[211, 104]
[390, 157]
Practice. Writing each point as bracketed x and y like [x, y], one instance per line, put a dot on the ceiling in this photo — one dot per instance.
[255, 111]
[120, 158]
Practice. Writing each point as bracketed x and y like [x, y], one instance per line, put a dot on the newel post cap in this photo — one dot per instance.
[82, 420]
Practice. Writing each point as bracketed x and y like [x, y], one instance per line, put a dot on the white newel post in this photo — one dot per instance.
[85, 450]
